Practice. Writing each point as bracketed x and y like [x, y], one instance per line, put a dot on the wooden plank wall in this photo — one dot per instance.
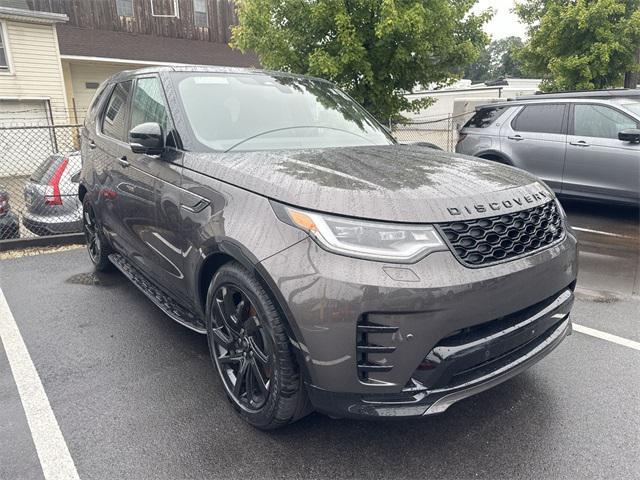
[102, 15]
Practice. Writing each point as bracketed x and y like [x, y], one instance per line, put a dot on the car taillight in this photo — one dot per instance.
[4, 203]
[52, 193]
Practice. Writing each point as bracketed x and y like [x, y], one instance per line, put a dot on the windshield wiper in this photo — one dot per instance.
[266, 132]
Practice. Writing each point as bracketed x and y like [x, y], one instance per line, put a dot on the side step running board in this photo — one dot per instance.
[162, 300]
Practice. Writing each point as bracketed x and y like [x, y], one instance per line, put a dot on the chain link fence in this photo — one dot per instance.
[440, 132]
[38, 196]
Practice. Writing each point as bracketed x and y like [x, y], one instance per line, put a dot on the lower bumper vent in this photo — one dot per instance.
[367, 349]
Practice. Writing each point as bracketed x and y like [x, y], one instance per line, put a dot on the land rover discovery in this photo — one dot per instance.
[330, 267]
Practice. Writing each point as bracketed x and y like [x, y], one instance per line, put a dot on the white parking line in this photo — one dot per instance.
[600, 232]
[607, 336]
[55, 459]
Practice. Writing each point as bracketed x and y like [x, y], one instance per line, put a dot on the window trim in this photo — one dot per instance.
[133, 10]
[565, 119]
[206, 12]
[572, 128]
[4, 36]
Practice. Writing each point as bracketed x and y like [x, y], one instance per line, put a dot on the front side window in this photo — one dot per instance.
[124, 8]
[243, 112]
[541, 118]
[114, 123]
[600, 121]
[200, 14]
[148, 104]
[4, 61]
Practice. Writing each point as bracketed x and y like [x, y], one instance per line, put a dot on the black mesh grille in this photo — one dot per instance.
[484, 241]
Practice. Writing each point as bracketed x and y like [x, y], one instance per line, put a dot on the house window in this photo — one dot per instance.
[124, 8]
[200, 14]
[4, 60]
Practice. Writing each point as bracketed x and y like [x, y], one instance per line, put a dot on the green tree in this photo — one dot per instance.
[374, 49]
[499, 60]
[581, 44]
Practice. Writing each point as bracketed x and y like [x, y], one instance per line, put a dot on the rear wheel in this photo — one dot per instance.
[250, 349]
[97, 245]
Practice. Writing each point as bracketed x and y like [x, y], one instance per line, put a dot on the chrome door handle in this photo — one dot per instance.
[517, 138]
[580, 143]
[123, 162]
[92, 144]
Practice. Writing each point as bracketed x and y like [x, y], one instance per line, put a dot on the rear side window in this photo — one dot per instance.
[46, 169]
[114, 122]
[485, 117]
[541, 118]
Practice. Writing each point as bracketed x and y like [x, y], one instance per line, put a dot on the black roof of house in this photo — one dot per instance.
[150, 48]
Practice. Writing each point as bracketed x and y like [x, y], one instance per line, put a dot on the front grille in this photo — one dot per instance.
[490, 240]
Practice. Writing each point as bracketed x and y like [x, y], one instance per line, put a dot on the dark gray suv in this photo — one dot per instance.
[584, 145]
[330, 267]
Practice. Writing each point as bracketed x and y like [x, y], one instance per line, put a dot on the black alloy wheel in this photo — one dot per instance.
[243, 349]
[251, 351]
[97, 245]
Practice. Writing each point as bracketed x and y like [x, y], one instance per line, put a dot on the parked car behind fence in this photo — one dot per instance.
[51, 197]
[34, 181]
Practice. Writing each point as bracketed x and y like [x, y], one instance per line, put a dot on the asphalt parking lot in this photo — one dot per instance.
[134, 394]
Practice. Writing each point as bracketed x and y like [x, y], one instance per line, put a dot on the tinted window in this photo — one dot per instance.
[114, 122]
[46, 169]
[542, 118]
[265, 112]
[485, 117]
[600, 121]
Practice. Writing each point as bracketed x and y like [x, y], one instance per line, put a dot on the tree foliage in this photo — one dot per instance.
[374, 49]
[499, 60]
[581, 44]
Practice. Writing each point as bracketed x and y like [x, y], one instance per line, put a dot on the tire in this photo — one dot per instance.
[244, 328]
[97, 245]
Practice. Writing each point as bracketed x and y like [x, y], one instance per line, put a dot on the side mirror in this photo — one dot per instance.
[147, 138]
[631, 135]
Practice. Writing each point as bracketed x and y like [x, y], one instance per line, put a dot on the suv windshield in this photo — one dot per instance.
[242, 112]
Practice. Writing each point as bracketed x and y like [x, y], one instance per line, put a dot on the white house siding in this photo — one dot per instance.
[35, 67]
[31, 93]
[80, 73]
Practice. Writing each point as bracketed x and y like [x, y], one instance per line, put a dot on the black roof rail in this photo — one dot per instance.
[609, 93]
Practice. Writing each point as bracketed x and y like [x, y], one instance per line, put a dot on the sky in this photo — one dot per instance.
[504, 23]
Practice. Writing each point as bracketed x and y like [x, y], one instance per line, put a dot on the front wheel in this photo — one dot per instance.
[97, 245]
[250, 349]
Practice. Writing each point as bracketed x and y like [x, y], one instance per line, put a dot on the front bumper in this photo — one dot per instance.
[516, 355]
[330, 299]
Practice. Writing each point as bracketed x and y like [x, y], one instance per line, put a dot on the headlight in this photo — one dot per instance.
[397, 243]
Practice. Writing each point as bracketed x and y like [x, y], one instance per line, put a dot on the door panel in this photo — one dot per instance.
[599, 165]
[158, 235]
[105, 146]
[535, 140]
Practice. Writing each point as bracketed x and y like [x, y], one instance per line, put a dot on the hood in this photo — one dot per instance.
[401, 183]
